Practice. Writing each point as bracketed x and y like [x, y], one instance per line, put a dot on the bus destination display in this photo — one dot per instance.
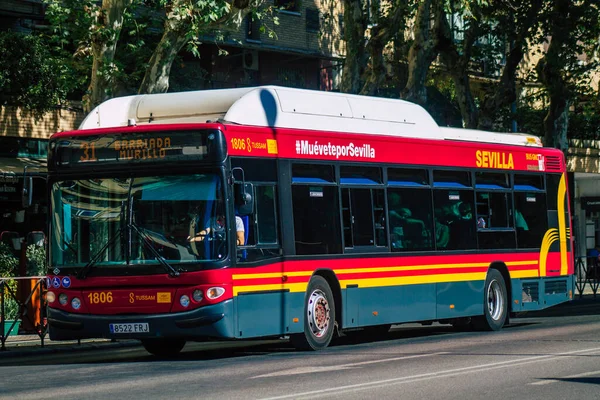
[139, 148]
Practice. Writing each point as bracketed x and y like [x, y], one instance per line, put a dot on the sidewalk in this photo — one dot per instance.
[30, 345]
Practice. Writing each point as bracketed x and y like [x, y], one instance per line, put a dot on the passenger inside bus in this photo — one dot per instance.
[407, 232]
[520, 222]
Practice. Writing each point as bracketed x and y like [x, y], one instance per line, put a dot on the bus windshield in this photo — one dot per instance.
[138, 221]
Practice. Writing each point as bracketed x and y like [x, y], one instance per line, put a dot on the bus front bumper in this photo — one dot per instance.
[214, 321]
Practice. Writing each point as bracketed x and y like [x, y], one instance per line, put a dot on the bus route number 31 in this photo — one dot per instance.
[100, 297]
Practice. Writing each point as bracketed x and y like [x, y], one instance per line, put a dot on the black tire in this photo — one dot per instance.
[495, 303]
[163, 347]
[319, 317]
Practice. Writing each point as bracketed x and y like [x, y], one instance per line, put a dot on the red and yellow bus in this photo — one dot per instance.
[270, 212]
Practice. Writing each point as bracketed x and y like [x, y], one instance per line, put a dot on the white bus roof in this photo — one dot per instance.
[282, 107]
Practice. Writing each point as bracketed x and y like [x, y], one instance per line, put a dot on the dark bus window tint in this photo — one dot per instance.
[491, 180]
[315, 173]
[493, 210]
[360, 175]
[529, 182]
[449, 179]
[363, 219]
[256, 169]
[454, 212]
[316, 219]
[407, 177]
[531, 221]
[411, 219]
[491, 239]
[266, 204]
[552, 183]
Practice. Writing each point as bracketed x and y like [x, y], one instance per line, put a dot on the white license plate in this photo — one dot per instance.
[134, 327]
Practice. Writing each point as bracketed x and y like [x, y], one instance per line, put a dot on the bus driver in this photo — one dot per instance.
[218, 226]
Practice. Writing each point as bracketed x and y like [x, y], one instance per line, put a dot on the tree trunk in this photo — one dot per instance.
[178, 30]
[550, 71]
[556, 123]
[375, 72]
[505, 92]
[384, 28]
[105, 36]
[156, 78]
[422, 52]
[354, 33]
[457, 65]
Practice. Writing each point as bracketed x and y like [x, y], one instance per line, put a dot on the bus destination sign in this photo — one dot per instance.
[139, 148]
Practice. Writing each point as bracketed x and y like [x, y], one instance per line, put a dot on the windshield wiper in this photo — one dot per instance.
[84, 271]
[148, 243]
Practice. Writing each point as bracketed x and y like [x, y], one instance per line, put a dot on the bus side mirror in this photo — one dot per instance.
[244, 201]
[27, 194]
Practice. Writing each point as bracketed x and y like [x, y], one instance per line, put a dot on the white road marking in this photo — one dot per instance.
[312, 370]
[547, 381]
[431, 375]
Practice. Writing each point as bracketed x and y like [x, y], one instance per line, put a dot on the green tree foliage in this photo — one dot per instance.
[31, 75]
[114, 35]
[479, 45]
[570, 31]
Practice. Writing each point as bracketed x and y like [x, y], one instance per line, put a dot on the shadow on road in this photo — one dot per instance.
[588, 305]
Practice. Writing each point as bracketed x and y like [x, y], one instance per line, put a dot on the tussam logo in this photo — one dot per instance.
[305, 147]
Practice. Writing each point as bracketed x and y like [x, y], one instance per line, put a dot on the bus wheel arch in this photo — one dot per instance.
[320, 306]
[495, 300]
[334, 284]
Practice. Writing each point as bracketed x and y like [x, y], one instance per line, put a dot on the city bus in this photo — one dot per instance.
[288, 213]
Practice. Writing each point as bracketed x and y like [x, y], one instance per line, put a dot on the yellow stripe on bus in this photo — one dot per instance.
[379, 269]
[381, 282]
[414, 280]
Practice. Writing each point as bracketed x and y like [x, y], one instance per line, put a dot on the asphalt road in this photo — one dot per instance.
[550, 355]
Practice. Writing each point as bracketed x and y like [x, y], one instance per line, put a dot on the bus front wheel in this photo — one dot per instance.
[319, 317]
[163, 347]
[495, 304]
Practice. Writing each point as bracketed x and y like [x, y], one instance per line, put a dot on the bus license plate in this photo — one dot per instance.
[139, 327]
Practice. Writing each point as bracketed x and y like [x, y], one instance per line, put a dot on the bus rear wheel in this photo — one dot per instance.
[495, 304]
[163, 347]
[319, 317]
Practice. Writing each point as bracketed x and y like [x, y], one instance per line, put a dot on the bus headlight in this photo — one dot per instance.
[63, 299]
[197, 295]
[215, 292]
[75, 303]
[50, 297]
[184, 301]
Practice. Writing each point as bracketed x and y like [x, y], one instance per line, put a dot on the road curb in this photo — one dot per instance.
[14, 350]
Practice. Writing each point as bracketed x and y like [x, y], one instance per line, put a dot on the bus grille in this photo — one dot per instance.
[556, 287]
[552, 163]
[531, 292]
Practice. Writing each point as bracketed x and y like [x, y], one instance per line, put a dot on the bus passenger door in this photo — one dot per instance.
[260, 309]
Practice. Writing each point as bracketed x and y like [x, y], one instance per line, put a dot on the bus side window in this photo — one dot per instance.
[454, 209]
[531, 207]
[316, 219]
[266, 205]
[261, 232]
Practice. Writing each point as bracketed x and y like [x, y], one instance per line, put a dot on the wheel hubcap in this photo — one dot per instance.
[317, 313]
[495, 301]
